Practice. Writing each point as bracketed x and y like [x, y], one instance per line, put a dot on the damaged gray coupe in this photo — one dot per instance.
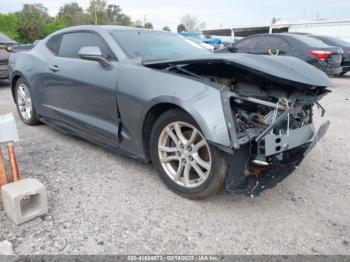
[205, 120]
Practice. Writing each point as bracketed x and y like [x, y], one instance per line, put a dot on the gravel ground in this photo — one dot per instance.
[105, 203]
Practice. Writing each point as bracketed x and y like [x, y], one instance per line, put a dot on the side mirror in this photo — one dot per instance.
[93, 53]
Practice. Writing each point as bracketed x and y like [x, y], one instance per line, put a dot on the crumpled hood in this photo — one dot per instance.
[283, 69]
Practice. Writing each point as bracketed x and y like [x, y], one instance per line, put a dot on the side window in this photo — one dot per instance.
[248, 43]
[284, 45]
[269, 42]
[71, 43]
[53, 43]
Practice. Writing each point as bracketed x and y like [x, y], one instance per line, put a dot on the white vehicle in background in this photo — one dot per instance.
[201, 43]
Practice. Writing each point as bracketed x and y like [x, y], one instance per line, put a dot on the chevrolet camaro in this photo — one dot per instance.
[206, 121]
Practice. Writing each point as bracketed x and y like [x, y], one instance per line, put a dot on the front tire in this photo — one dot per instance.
[24, 103]
[184, 160]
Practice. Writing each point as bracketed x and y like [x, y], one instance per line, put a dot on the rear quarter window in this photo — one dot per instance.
[53, 44]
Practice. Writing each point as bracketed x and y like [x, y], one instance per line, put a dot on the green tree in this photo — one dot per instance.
[71, 14]
[8, 25]
[166, 28]
[98, 12]
[31, 21]
[116, 16]
[53, 26]
[181, 28]
[148, 25]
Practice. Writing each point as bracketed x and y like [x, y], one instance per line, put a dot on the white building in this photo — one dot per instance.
[337, 28]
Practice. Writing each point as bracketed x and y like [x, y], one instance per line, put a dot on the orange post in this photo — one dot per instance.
[3, 178]
[13, 163]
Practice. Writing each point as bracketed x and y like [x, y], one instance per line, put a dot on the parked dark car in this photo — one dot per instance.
[311, 50]
[5, 43]
[334, 41]
[203, 119]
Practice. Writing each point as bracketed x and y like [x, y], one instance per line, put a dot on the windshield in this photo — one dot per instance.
[154, 45]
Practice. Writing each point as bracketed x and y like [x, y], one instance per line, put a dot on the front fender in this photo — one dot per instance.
[206, 109]
[141, 88]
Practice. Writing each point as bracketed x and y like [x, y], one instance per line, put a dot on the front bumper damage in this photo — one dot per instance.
[259, 94]
[282, 153]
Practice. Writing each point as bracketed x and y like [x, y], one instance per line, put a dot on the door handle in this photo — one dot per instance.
[54, 68]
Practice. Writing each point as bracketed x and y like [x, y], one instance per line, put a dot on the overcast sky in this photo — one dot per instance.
[215, 13]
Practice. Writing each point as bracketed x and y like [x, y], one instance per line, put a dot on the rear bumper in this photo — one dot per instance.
[346, 69]
[329, 69]
[332, 71]
[4, 69]
[345, 66]
[4, 72]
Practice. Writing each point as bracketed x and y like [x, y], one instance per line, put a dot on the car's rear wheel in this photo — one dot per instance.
[183, 158]
[25, 107]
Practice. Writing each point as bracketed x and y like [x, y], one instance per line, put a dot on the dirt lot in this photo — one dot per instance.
[104, 203]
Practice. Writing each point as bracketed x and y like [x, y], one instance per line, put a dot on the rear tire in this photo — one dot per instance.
[182, 157]
[24, 103]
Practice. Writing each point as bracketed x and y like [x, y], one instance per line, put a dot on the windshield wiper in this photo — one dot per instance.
[153, 60]
[179, 68]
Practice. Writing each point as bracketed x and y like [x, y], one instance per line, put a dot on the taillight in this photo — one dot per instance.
[320, 54]
[348, 52]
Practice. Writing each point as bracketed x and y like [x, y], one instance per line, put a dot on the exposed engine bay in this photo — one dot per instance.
[270, 121]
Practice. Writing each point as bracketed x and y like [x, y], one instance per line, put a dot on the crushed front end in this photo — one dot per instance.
[272, 131]
[268, 105]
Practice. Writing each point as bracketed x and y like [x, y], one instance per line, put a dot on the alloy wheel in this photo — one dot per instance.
[24, 102]
[184, 154]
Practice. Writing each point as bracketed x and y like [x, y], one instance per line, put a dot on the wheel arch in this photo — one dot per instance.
[13, 86]
[14, 78]
[158, 108]
[150, 118]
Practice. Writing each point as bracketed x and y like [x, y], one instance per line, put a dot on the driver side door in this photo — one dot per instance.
[82, 93]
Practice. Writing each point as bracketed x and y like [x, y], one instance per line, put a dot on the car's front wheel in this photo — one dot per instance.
[183, 158]
[24, 103]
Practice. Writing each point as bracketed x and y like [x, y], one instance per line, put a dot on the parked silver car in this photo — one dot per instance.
[5, 43]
